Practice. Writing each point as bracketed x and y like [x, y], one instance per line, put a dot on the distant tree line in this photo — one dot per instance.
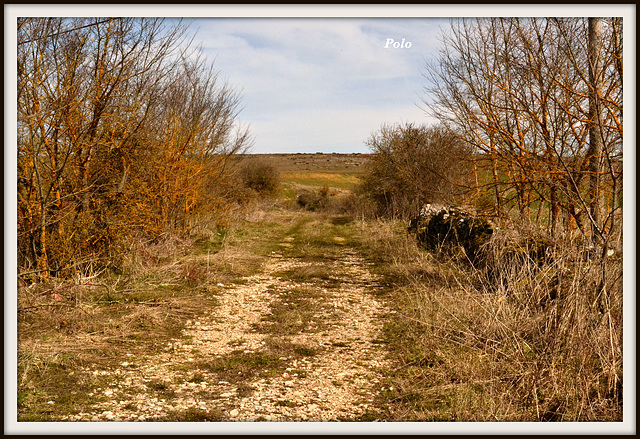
[122, 128]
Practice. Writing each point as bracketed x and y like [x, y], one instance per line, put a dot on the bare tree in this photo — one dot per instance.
[518, 91]
[412, 165]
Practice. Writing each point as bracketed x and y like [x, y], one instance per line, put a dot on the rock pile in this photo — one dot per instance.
[438, 227]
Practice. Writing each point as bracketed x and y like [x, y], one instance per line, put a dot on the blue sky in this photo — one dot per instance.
[321, 84]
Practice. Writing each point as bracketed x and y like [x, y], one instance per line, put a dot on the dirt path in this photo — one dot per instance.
[300, 341]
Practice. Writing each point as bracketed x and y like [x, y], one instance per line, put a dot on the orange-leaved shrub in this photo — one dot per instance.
[120, 131]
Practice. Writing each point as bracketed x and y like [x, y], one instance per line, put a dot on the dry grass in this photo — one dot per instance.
[536, 343]
[64, 325]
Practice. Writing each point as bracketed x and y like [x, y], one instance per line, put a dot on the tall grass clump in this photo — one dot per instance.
[529, 335]
[560, 316]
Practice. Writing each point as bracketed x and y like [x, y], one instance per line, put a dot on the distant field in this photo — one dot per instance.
[319, 179]
[325, 163]
[340, 171]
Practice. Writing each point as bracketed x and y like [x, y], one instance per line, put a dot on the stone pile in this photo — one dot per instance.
[439, 227]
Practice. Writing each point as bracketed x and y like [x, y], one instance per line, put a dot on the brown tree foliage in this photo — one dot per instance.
[412, 165]
[260, 176]
[120, 128]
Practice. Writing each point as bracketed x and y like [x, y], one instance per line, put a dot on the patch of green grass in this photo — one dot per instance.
[310, 273]
[162, 388]
[58, 392]
[379, 341]
[139, 322]
[341, 220]
[193, 414]
[285, 348]
[22, 396]
[319, 179]
[317, 240]
[304, 351]
[197, 378]
[294, 310]
[239, 365]
[211, 244]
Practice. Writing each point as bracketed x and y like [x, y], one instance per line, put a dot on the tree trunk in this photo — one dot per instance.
[595, 129]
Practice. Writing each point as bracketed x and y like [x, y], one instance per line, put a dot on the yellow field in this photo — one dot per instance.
[319, 179]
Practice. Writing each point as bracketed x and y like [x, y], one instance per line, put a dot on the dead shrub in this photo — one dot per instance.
[313, 200]
[194, 273]
[145, 253]
[563, 313]
[413, 165]
[260, 176]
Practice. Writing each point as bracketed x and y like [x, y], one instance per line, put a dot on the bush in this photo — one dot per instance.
[414, 165]
[313, 200]
[261, 177]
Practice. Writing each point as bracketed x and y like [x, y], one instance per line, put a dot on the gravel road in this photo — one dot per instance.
[228, 367]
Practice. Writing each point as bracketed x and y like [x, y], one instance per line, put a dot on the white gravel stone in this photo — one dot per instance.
[328, 386]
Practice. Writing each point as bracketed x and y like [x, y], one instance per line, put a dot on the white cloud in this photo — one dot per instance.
[320, 84]
[322, 130]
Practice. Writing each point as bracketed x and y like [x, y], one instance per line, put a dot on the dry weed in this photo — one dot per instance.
[532, 336]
